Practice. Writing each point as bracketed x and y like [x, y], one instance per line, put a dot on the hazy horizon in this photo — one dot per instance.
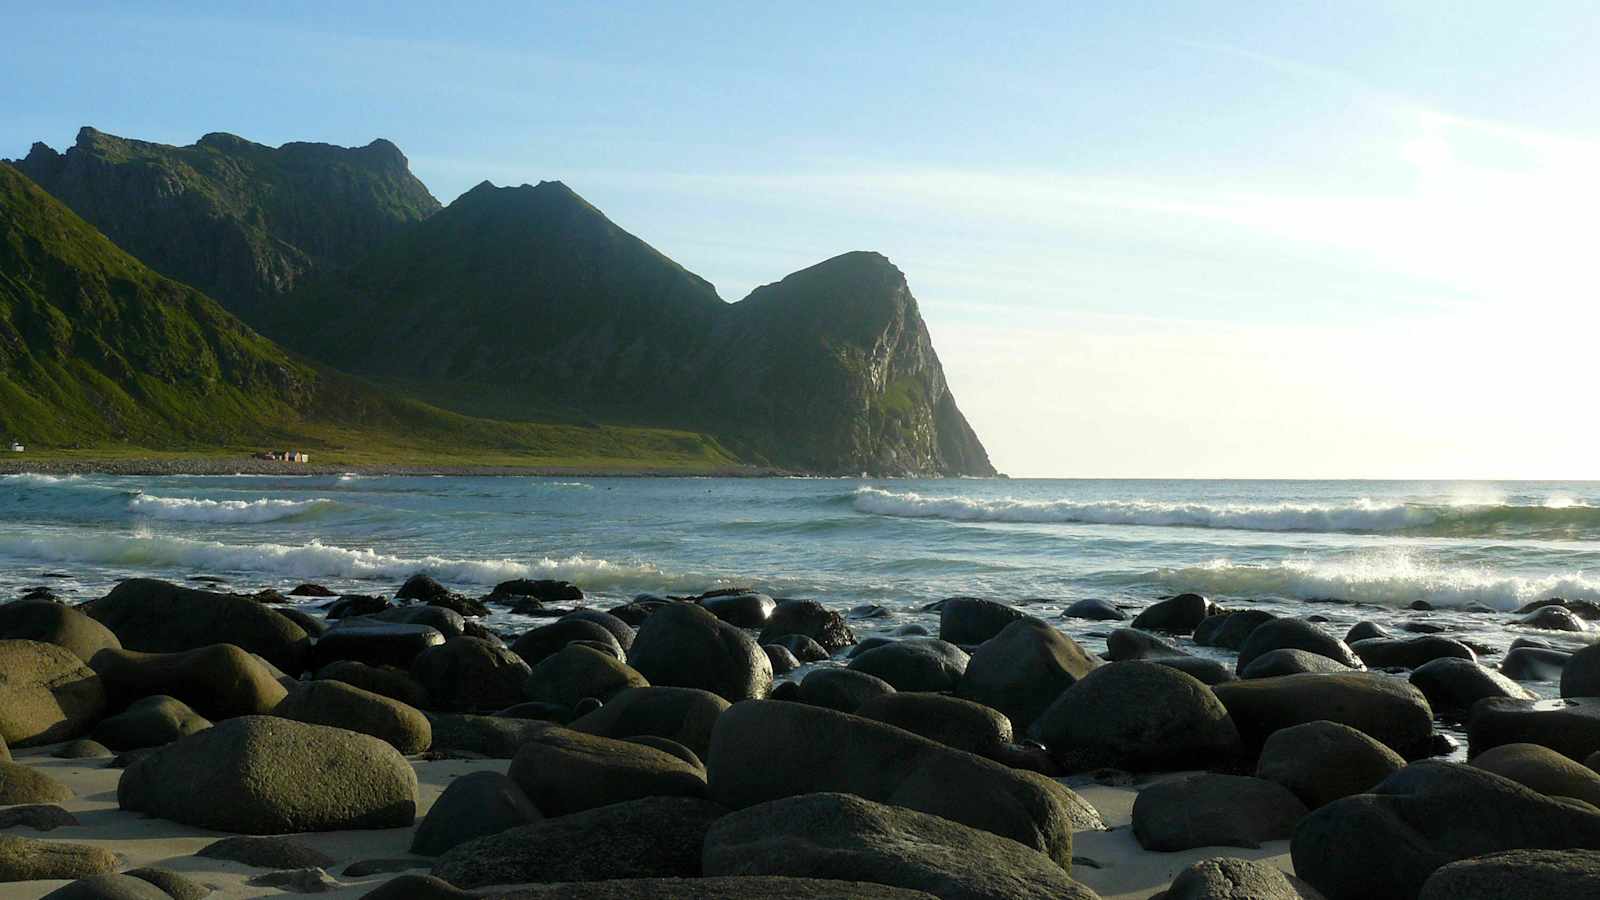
[1153, 242]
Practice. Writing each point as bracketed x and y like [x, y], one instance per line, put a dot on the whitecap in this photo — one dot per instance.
[184, 509]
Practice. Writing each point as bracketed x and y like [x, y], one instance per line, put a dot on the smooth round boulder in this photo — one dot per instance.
[804, 649]
[1570, 726]
[1553, 618]
[150, 722]
[266, 853]
[741, 610]
[1580, 675]
[1384, 708]
[47, 694]
[475, 805]
[685, 646]
[1294, 634]
[55, 623]
[1023, 669]
[465, 674]
[1223, 878]
[1518, 875]
[1320, 762]
[811, 619]
[577, 671]
[26, 859]
[1137, 716]
[268, 775]
[1125, 644]
[21, 784]
[447, 622]
[176, 886]
[1174, 615]
[82, 748]
[841, 689]
[541, 642]
[1528, 663]
[494, 737]
[356, 605]
[1211, 810]
[545, 590]
[564, 771]
[619, 629]
[422, 587]
[153, 616]
[953, 722]
[374, 643]
[219, 681]
[1206, 671]
[386, 681]
[685, 715]
[783, 662]
[1291, 662]
[1541, 769]
[1453, 685]
[915, 664]
[110, 886]
[970, 621]
[342, 705]
[1095, 610]
[1234, 628]
[1410, 653]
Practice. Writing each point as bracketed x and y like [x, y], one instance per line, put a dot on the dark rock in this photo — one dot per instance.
[447, 622]
[364, 640]
[1292, 662]
[669, 746]
[1023, 669]
[686, 646]
[1094, 609]
[809, 618]
[311, 625]
[1541, 769]
[956, 723]
[542, 589]
[465, 674]
[473, 806]
[970, 621]
[218, 682]
[545, 640]
[685, 715]
[366, 867]
[38, 816]
[418, 887]
[27, 859]
[1136, 716]
[564, 772]
[312, 880]
[266, 775]
[741, 610]
[1320, 762]
[1416, 627]
[47, 694]
[1222, 878]
[783, 662]
[804, 649]
[311, 590]
[1210, 810]
[346, 706]
[421, 587]
[351, 605]
[83, 748]
[494, 737]
[1453, 685]
[1553, 618]
[1294, 634]
[23, 784]
[619, 629]
[464, 607]
[1580, 677]
[1125, 644]
[153, 616]
[1362, 631]
[1570, 727]
[1383, 653]
[842, 689]
[636, 612]
[915, 664]
[1518, 875]
[385, 681]
[1176, 615]
[640, 838]
[871, 643]
[575, 672]
[768, 750]
[1534, 664]
[108, 887]
[1235, 628]
[176, 886]
[837, 836]
[1386, 709]
[150, 722]
[1206, 671]
[266, 853]
[53, 623]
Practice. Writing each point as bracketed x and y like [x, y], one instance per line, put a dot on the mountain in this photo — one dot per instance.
[530, 291]
[98, 349]
[242, 222]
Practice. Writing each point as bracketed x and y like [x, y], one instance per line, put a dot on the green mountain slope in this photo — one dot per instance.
[97, 349]
[242, 222]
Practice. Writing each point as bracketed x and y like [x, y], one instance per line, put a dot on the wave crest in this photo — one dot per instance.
[184, 509]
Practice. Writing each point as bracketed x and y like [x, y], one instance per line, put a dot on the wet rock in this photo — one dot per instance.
[422, 587]
[1453, 685]
[1235, 628]
[1386, 709]
[1292, 662]
[783, 662]
[915, 664]
[1518, 875]
[351, 605]
[447, 622]
[153, 616]
[47, 694]
[266, 775]
[27, 859]
[1126, 644]
[385, 681]
[1570, 727]
[1553, 618]
[1541, 769]
[804, 649]
[970, 621]
[1320, 762]
[1022, 670]
[1362, 631]
[465, 674]
[346, 706]
[1176, 615]
[952, 722]
[475, 805]
[1210, 810]
[361, 639]
[1294, 634]
[619, 629]
[1206, 671]
[834, 835]
[1094, 609]
[1534, 664]
[37, 816]
[545, 640]
[150, 722]
[1137, 716]
[741, 610]
[1580, 676]
[266, 853]
[842, 689]
[809, 618]
[564, 771]
[543, 590]
[53, 623]
[218, 682]
[311, 590]
[23, 784]
[577, 671]
[685, 646]
[685, 715]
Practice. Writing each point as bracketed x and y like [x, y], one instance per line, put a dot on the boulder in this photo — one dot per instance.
[1580, 676]
[838, 836]
[741, 610]
[841, 689]
[1023, 669]
[1384, 708]
[811, 619]
[494, 737]
[1453, 685]
[685, 715]
[685, 646]
[1364, 630]
[346, 706]
[564, 771]
[422, 587]
[1319, 762]
[475, 805]
[952, 722]
[782, 661]
[1518, 875]
[266, 853]
[915, 664]
[82, 748]
[176, 886]
[1552, 618]
[1294, 634]
[55, 623]
[544, 590]
[153, 616]
[374, 643]
[1222, 878]
[804, 649]
[1570, 727]
[1387, 842]
[1292, 662]
[465, 674]
[577, 671]
[37, 816]
[267, 775]
[762, 751]
[1234, 628]
[1541, 769]
[396, 684]
[1125, 644]
[1175, 615]
[447, 622]
[619, 629]
[26, 859]
[1210, 810]
[1409, 653]
[730, 888]
[1094, 609]
[109, 886]
[1203, 670]
[640, 838]
[150, 722]
[541, 642]
[219, 681]
[24, 784]
[1137, 716]
[47, 694]
[970, 621]
[357, 605]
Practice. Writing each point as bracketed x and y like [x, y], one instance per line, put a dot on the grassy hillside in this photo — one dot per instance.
[99, 352]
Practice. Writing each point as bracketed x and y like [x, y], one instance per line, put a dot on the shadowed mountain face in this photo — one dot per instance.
[242, 222]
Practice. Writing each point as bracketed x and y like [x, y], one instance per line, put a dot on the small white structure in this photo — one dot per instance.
[16, 447]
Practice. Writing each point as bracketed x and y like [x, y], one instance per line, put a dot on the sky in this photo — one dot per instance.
[1331, 240]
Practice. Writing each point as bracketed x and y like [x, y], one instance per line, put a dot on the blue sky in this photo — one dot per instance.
[1344, 239]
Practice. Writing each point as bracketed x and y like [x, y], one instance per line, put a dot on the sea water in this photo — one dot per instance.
[1475, 551]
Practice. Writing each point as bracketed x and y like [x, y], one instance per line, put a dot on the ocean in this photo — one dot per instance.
[1472, 550]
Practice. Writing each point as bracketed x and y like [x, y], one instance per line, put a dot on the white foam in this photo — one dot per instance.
[1390, 579]
[39, 479]
[184, 509]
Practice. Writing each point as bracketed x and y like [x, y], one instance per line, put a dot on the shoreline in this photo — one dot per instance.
[246, 465]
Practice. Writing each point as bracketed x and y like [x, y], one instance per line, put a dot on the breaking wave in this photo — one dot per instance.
[183, 509]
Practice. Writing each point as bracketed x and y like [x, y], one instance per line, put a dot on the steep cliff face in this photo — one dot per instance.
[242, 222]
